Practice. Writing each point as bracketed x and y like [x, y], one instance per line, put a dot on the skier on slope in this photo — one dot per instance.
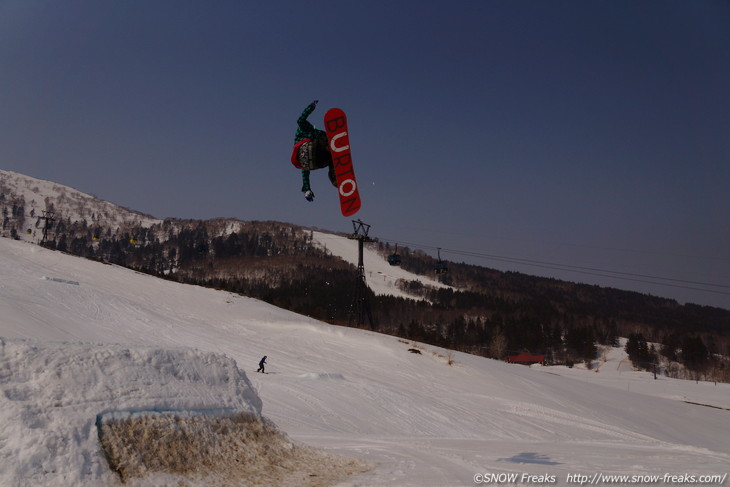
[262, 362]
[311, 151]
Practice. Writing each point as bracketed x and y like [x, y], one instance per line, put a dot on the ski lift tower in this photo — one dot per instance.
[360, 308]
[48, 218]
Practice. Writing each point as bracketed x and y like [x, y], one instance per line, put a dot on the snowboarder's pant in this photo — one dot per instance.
[314, 155]
[305, 156]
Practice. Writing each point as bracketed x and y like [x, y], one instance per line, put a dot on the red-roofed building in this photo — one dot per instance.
[526, 358]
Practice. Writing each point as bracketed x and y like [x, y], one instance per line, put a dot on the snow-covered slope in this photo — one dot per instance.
[380, 276]
[418, 420]
[35, 195]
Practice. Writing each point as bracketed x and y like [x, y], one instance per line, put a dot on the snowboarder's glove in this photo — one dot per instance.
[309, 195]
[314, 104]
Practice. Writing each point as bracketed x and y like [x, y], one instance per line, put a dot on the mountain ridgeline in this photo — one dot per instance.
[485, 312]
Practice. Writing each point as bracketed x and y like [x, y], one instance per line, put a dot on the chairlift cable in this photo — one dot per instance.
[628, 276]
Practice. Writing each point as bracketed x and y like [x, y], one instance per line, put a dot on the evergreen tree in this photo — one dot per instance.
[670, 347]
[640, 354]
[581, 343]
[694, 353]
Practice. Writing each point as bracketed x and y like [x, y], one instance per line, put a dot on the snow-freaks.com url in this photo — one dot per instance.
[602, 478]
[599, 478]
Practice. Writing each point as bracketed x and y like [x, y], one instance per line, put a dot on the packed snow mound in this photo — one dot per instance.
[213, 448]
[145, 412]
[52, 393]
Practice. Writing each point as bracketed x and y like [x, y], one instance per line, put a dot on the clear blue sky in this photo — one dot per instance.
[589, 133]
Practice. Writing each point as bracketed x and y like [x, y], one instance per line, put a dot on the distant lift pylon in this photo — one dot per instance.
[441, 266]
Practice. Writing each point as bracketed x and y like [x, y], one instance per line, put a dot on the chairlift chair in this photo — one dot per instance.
[394, 258]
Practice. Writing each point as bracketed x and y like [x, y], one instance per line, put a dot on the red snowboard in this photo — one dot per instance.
[335, 124]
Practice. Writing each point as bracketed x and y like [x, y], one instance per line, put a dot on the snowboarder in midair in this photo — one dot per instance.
[311, 151]
[262, 362]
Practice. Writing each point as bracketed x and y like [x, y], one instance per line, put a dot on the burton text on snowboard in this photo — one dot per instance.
[335, 123]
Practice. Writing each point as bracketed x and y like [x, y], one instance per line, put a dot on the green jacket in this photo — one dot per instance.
[305, 130]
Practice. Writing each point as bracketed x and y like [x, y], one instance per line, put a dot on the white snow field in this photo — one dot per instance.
[69, 203]
[381, 277]
[82, 340]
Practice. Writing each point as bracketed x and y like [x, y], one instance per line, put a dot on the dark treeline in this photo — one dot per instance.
[492, 314]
